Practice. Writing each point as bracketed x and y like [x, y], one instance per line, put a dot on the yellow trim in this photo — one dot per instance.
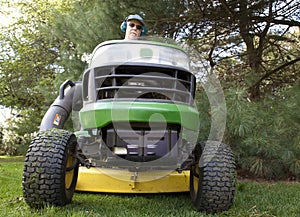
[124, 181]
[69, 174]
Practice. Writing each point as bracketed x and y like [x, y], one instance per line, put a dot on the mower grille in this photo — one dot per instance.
[145, 83]
[143, 145]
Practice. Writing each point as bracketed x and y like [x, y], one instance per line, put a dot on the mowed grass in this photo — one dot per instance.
[252, 199]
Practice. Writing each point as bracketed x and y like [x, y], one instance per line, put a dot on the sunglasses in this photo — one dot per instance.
[139, 27]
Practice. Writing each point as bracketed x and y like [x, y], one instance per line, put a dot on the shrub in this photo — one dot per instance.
[265, 134]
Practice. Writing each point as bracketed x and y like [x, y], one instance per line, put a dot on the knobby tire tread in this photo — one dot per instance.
[44, 169]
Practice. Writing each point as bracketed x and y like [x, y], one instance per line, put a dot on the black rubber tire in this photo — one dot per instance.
[51, 170]
[213, 177]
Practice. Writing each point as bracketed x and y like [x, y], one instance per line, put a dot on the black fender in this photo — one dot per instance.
[61, 108]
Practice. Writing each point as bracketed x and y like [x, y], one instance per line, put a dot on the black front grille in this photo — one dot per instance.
[142, 143]
[147, 83]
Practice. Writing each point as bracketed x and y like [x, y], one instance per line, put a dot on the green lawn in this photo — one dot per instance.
[252, 199]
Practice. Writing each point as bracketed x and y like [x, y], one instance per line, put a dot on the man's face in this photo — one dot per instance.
[133, 29]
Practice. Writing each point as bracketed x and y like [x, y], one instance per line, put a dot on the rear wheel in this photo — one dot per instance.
[51, 169]
[213, 177]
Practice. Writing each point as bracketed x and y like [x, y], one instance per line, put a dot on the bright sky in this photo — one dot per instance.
[4, 114]
[8, 14]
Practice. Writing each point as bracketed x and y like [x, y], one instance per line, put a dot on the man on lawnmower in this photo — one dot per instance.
[133, 26]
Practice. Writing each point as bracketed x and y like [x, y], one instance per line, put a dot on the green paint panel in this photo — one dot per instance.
[100, 114]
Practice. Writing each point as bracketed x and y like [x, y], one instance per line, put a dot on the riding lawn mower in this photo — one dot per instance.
[137, 132]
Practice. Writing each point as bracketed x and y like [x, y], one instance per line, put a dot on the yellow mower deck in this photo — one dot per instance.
[124, 181]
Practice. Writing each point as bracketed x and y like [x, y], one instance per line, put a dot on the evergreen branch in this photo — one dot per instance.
[276, 21]
[268, 74]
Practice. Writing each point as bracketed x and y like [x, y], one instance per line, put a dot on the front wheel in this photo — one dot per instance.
[51, 169]
[213, 177]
